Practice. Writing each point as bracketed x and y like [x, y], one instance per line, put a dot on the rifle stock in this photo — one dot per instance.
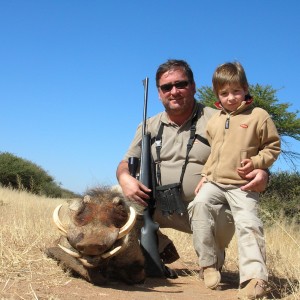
[154, 266]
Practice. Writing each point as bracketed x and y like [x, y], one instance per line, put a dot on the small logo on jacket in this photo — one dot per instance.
[244, 125]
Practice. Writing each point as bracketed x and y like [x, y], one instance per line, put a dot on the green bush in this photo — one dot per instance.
[282, 197]
[19, 173]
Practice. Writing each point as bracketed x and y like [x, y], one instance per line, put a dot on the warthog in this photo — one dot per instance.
[99, 238]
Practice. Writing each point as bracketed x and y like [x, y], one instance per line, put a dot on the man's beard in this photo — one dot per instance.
[177, 110]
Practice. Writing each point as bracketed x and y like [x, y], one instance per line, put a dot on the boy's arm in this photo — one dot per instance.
[270, 146]
[270, 142]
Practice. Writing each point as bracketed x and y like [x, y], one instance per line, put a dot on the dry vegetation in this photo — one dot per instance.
[27, 229]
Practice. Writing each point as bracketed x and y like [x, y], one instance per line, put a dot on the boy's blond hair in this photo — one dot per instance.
[229, 73]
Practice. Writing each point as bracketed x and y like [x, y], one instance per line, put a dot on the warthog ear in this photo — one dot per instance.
[76, 204]
[87, 199]
[117, 200]
[79, 203]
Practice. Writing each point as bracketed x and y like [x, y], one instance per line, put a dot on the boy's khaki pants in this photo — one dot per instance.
[204, 212]
[224, 225]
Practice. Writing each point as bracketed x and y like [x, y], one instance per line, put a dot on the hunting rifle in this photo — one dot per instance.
[154, 266]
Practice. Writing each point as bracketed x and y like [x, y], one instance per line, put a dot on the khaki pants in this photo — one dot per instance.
[204, 213]
[182, 223]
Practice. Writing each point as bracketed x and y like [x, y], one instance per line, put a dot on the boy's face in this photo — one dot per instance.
[231, 96]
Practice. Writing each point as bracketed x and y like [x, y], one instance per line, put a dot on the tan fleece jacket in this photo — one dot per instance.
[251, 133]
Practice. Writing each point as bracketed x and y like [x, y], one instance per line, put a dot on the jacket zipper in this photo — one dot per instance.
[227, 122]
[214, 173]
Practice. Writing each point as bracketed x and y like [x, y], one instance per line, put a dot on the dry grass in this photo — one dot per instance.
[283, 257]
[27, 229]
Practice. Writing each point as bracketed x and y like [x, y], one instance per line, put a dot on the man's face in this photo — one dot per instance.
[176, 92]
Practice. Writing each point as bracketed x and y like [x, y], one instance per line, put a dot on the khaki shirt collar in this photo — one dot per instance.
[165, 119]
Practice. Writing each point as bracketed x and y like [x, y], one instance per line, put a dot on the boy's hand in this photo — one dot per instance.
[246, 167]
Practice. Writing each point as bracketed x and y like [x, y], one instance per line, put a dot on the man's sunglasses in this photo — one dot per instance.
[179, 85]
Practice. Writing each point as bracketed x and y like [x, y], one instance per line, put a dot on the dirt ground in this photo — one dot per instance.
[186, 286]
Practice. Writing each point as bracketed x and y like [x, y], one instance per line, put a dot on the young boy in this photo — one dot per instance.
[242, 138]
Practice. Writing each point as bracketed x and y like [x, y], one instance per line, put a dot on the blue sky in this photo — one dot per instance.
[71, 71]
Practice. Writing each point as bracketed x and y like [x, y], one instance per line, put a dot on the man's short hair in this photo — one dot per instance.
[173, 64]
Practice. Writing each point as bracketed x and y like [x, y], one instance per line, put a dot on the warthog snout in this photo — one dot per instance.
[96, 245]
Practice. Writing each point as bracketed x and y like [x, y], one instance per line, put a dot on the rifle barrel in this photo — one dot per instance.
[145, 83]
[149, 241]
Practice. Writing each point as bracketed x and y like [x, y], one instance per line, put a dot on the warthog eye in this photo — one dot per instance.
[119, 215]
[84, 215]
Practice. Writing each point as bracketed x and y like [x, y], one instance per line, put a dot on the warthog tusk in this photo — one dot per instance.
[57, 221]
[108, 254]
[113, 252]
[86, 263]
[76, 255]
[129, 224]
[72, 253]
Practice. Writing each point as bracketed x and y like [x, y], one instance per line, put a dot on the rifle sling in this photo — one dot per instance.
[158, 144]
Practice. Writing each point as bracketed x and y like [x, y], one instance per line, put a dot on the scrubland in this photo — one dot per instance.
[27, 229]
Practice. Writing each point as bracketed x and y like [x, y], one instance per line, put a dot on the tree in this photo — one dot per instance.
[20, 173]
[287, 123]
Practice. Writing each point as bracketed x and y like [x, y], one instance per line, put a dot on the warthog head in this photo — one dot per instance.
[99, 237]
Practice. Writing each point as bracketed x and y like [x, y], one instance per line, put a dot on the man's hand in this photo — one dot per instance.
[199, 185]
[259, 181]
[132, 189]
